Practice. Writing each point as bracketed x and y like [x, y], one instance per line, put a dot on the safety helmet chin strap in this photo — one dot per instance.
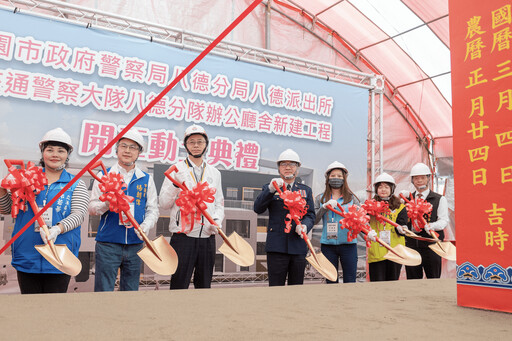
[128, 164]
[204, 150]
[61, 167]
[424, 186]
[291, 176]
[197, 156]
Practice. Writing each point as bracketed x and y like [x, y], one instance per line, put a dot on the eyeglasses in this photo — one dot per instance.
[199, 143]
[288, 164]
[132, 147]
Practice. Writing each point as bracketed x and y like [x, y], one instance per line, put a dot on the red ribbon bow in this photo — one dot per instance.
[416, 209]
[187, 200]
[296, 206]
[24, 185]
[355, 220]
[374, 207]
[113, 186]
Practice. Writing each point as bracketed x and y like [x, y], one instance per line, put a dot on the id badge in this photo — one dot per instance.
[122, 216]
[332, 230]
[385, 236]
[46, 216]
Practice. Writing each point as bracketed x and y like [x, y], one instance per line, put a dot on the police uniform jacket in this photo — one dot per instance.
[277, 239]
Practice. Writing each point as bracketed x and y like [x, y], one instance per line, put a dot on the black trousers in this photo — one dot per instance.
[431, 263]
[43, 283]
[384, 270]
[282, 265]
[197, 256]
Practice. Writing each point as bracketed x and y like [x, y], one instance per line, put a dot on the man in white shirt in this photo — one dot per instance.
[196, 247]
[431, 262]
[117, 243]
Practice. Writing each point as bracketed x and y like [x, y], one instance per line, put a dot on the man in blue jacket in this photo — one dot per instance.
[286, 252]
[117, 243]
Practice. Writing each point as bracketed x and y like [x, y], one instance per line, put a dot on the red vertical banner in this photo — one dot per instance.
[481, 58]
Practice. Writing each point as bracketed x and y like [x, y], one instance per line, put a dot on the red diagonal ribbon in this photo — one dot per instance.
[138, 117]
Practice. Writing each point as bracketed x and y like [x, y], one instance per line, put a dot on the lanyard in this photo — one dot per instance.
[332, 214]
[190, 166]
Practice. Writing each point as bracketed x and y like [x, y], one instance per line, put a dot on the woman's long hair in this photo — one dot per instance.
[394, 201]
[346, 193]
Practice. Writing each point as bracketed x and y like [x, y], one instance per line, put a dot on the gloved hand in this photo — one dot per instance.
[144, 228]
[301, 228]
[213, 229]
[333, 203]
[280, 183]
[106, 205]
[406, 194]
[428, 228]
[179, 177]
[401, 229]
[371, 235]
[54, 232]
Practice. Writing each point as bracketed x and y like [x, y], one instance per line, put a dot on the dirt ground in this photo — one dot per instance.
[402, 310]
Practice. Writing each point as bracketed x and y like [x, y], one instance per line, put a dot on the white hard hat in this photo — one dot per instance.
[135, 136]
[335, 165]
[195, 129]
[289, 155]
[420, 169]
[57, 135]
[384, 177]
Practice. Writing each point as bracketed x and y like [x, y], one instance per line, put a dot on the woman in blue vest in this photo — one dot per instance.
[64, 217]
[334, 243]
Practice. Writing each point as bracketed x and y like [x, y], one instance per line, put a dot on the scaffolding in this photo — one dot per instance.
[183, 39]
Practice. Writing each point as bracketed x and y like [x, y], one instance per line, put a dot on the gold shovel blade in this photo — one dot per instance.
[165, 267]
[407, 256]
[244, 254]
[70, 264]
[323, 266]
[446, 250]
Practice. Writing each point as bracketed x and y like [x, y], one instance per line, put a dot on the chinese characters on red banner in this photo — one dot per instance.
[488, 38]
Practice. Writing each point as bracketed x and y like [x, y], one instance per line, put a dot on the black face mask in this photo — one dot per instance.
[336, 182]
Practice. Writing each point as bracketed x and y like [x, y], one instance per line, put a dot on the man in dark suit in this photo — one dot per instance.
[286, 252]
[431, 262]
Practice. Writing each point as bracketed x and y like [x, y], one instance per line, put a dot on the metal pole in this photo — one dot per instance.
[268, 9]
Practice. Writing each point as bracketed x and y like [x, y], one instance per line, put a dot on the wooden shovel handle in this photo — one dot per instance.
[330, 208]
[278, 189]
[98, 163]
[366, 231]
[297, 222]
[214, 223]
[168, 172]
[149, 242]
[42, 225]
[9, 163]
[207, 215]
